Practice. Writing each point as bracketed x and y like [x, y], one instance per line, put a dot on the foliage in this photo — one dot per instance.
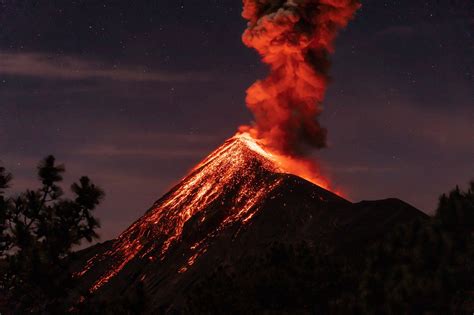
[38, 230]
[286, 278]
[421, 268]
[425, 267]
[133, 302]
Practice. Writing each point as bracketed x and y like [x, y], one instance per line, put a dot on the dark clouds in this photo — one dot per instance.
[135, 93]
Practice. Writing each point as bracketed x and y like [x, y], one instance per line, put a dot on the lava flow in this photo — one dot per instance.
[298, 166]
[233, 179]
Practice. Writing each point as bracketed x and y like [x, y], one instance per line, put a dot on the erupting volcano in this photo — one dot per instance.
[251, 192]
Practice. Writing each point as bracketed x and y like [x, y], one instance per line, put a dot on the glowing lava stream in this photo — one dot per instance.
[233, 179]
[301, 167]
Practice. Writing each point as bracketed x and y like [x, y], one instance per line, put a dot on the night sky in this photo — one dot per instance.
[135, 93]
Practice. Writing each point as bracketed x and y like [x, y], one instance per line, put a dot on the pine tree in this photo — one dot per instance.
[38, 232]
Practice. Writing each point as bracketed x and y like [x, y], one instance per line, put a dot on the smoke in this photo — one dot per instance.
[295, 38]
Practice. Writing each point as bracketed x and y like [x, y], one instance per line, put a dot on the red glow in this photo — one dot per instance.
[298, 166]
[295, 39]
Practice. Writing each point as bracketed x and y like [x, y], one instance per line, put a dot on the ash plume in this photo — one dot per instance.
[295, 38]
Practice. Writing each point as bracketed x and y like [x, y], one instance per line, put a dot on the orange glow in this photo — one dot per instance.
[298, 166]
[295, 38]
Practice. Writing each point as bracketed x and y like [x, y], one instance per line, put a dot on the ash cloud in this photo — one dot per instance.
[295, 38]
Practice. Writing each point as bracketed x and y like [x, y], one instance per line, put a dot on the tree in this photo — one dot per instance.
[285, 278]
[456, 210]
[38, 231]
[425, 267]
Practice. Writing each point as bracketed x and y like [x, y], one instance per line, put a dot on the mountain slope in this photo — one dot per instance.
[234, 204]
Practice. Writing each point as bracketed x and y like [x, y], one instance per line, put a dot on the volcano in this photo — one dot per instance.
[235, 204]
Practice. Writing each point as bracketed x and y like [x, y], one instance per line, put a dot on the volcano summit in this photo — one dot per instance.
[235, 204]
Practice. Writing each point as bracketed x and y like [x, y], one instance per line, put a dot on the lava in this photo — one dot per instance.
[234, 169]
[288, 164]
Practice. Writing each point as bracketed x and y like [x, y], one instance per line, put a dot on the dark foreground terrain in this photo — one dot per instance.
[237, 236]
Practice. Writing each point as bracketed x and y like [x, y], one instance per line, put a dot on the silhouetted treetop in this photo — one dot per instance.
[38, 229]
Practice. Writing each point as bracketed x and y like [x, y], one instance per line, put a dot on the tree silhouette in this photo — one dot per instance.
[420, 268]
[38, 231]
[425, 267]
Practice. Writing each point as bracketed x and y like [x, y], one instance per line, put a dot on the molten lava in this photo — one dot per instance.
[286, 163]
[241, 168]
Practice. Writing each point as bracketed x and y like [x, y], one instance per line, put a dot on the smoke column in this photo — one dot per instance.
[295, 38]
